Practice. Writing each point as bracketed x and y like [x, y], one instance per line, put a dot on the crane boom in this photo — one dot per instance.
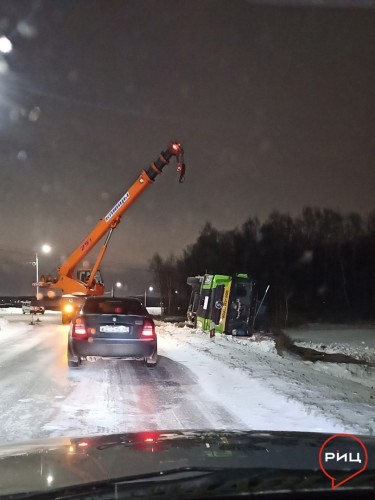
[65, 280]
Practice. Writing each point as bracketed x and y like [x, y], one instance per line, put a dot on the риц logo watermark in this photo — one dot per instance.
[342, 457]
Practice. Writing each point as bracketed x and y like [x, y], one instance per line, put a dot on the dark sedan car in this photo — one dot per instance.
[109, 327]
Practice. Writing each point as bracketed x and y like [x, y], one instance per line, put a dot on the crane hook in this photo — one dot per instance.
[179, 153]
[181, 168]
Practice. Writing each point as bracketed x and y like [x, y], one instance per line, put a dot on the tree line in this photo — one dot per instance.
[320, 265]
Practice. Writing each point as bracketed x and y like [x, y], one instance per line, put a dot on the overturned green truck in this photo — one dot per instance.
[232, 305]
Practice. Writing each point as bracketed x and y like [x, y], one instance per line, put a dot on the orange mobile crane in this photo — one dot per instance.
[88, 281]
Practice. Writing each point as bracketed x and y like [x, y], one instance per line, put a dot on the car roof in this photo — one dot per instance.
[102, 298]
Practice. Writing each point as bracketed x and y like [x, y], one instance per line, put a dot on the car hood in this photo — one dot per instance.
[41, 466]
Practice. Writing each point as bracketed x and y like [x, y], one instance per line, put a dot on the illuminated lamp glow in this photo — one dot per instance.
[5, 45]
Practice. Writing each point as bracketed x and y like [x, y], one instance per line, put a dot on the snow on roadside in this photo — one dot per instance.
[271, 392]
[364, 352]
[17, 335]
[8, 330]
[3, 324]
[354, 335]
[359, 373]
[10, 310]
[265, 343]
[247, 397]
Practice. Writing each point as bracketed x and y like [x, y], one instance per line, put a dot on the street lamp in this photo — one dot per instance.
[150, 289]
[5, 45]
[118, 285]
[45, 249]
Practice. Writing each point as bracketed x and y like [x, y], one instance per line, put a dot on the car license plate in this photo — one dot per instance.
[114, 329]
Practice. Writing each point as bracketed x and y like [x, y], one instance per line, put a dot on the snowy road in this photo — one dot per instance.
[198, 384]
[41, 397]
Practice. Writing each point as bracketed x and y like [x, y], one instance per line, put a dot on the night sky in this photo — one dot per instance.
[273, 105]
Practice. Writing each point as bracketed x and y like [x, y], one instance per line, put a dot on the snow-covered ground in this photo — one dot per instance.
[199, 383]
[286, 392]
[362, 336]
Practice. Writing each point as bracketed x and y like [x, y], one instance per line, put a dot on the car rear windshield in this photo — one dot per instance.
[131, 307]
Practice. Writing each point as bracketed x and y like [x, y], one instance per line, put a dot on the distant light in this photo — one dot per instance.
[46, 248]
[22, 156]
[119, 284]
[5, 45]
[49, 479]
[150, 288]
[34, 114]
[26, 30]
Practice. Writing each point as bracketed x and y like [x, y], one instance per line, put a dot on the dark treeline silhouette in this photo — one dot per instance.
[320, 265]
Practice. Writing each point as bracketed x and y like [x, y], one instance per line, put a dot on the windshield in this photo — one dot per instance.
[214, 161]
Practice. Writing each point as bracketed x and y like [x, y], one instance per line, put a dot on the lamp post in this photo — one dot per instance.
[150, 289]
[37, 275]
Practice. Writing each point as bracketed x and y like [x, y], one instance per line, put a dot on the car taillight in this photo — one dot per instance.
[147, 441]
[79, 329]
[148, 330]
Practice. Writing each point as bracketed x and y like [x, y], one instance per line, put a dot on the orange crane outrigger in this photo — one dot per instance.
[86, 282]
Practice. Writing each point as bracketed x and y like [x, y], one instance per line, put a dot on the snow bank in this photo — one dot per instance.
[10, 310]
[354, 335]
[363, 352]
[227, 376]
[361, 374]
[285, 392]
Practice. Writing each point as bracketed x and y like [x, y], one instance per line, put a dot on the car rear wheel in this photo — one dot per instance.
[74, 364]
[152, 361]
